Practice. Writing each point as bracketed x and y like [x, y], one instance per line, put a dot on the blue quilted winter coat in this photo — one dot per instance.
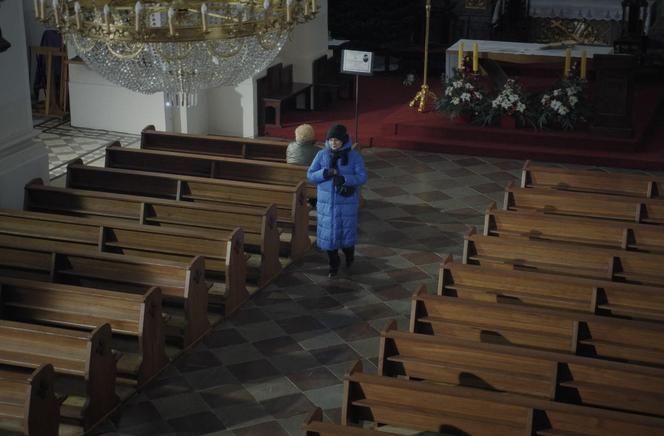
[337, 215]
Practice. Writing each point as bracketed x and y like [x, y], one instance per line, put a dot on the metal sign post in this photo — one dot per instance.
[358, 63]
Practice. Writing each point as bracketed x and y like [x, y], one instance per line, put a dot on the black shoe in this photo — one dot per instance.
[333, 273]
[349, 260]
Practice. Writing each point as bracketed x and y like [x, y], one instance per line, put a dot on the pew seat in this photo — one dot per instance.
[137, 316]
[87, 356]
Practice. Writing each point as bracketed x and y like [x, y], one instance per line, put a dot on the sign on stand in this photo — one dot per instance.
[358, 63]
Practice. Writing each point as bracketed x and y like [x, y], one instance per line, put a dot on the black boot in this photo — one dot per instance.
[333, 256]
[349, 253]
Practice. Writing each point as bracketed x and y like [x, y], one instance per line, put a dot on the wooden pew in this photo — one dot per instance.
[259, 226]
[31, 259]
[587, 335]
[86, 356]
[214, 167]
[281, 90]
[503, 368]
[564, 258]
[314, 426]
[272, 150]
[432, 407]
[587, 231]
[632, 185]
[591, 205]
[290, 201]
[138, 316]
[27, 402]
[65, 233]
[601, 297]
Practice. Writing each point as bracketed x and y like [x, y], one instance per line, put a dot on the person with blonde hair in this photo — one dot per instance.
[303, 150]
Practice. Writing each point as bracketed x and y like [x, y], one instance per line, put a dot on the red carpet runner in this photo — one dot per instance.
[387, 121]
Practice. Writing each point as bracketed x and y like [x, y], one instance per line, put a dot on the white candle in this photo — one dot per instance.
[171, 26]
[36, 9]
[56, 14]
[313, 6]
[204, 10]
[138, 8]
[306, 8]
[42, 9]
[288, 11]
[77, 12]
[107, 23]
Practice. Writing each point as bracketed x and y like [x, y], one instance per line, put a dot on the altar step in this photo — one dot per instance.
[447, 131]
[566, 152]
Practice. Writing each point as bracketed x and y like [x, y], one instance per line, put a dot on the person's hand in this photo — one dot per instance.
[339, 180]
[331, 172]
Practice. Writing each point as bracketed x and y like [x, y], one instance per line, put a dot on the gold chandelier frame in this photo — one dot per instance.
[157, 21]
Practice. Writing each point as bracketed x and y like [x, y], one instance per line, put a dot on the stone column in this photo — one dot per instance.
[20, 158]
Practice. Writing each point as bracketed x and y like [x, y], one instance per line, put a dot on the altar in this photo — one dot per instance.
[518, 52]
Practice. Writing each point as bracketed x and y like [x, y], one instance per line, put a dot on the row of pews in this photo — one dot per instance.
[106, 279]
[552, 324]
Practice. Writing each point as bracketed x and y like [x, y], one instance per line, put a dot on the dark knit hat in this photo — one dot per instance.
[338, 131]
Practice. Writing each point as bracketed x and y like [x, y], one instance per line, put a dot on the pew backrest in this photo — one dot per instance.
[634, 185]
[28, 404]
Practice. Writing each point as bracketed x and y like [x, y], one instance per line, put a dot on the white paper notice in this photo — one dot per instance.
[357, 62]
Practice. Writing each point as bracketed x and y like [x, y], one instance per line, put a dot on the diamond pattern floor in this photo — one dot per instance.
[285, 352]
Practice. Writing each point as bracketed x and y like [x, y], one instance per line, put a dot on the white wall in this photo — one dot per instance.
[20, 159]
[97, 103]
[308, 42]
[232, 111]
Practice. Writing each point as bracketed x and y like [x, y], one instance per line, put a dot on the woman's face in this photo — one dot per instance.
[335, 143]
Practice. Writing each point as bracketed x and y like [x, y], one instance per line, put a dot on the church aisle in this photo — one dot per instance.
[286, 351]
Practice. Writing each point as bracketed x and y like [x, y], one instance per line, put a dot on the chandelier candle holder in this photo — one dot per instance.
[178, 47]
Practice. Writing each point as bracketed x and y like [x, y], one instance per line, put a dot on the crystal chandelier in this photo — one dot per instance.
[179, 47]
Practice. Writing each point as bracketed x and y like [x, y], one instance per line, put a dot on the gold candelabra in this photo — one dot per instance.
[424, 93]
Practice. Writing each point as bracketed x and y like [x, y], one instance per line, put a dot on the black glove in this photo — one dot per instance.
[329, 172]
[339, 180]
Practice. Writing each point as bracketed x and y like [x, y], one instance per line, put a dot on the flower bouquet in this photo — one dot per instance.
[462, 97]
[564, 105]
[509, 106]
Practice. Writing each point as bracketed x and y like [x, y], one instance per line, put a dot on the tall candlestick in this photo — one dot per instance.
[476, 57]
[171, 25]
[568, 62]
[460, 56]
[584, 65]
[77, 13]
[204, 17]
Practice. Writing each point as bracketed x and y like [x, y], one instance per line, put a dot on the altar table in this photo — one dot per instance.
[517, 52]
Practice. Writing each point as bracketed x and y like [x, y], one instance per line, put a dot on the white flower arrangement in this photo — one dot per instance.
[511, 101]
[462, 96]
[564, 105]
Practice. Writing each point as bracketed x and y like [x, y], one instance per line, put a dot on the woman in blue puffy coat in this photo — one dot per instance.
[339, 171]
